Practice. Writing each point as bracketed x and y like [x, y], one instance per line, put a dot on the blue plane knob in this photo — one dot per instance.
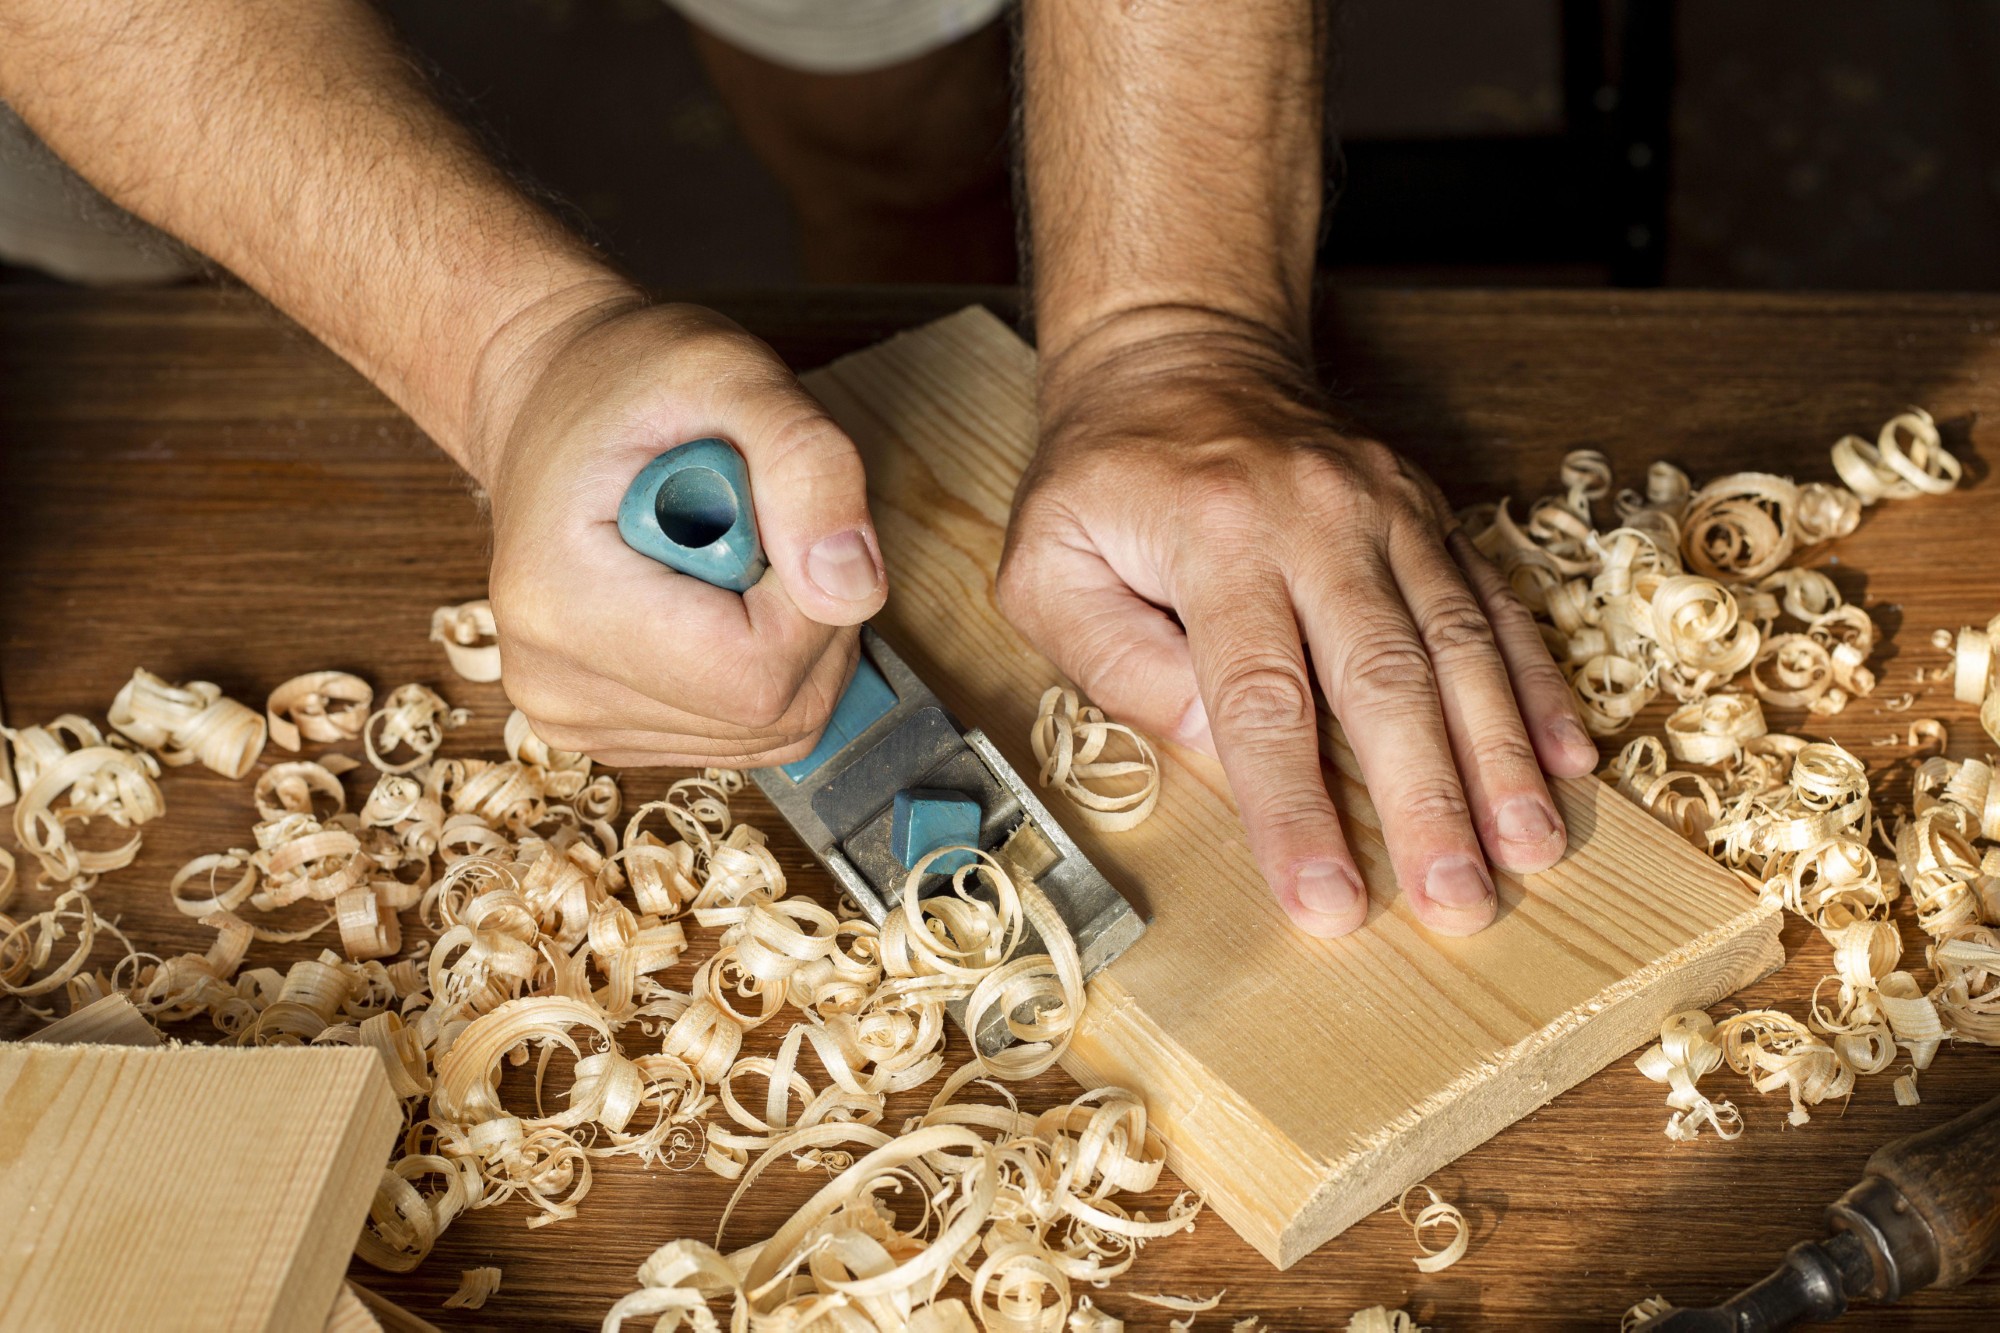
[690, 510]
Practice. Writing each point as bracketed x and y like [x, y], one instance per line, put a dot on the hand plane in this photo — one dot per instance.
[894, 777]
[1926, 1213]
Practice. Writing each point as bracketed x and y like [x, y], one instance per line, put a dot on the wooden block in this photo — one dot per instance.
[1300, 1083]
[111, 1021]
[189, 1188]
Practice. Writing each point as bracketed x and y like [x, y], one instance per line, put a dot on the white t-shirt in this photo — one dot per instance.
[840, 36]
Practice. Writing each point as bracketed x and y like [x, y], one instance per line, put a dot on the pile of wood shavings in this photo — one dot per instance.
[1691, 595]
[548, 930]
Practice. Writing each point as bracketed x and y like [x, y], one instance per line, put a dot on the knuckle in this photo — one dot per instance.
[1432, 802]
[1504, 747]
[1390, 667]
[1458, 628]
[1540, 675]
[808, 447]
[1225, 493]
[1259, 700]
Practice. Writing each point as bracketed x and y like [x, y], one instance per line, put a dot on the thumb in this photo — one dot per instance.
[811, 499]
[1127, 656]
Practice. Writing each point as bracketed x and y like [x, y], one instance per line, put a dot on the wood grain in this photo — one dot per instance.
[198, 1188]
[189, 483]
[1229, 1021]
[111, 1021]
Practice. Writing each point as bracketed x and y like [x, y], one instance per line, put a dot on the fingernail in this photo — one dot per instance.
[1193, 729]
[1325, 888]
[1525, 820]
[842, 567]
[1569, 734]
[1457, 881]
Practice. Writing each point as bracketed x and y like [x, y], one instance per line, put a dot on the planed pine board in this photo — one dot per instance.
[1300, 1084]
[185, 1188]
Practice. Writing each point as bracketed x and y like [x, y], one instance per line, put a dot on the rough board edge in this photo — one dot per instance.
[1227, 1151]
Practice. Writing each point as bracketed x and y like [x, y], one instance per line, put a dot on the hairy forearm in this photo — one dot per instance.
[293, 143]
[1173, 168]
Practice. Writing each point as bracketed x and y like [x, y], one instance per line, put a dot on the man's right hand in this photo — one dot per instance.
[617, 656]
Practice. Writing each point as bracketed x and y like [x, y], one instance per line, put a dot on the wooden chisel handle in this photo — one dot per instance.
[1949, 1175]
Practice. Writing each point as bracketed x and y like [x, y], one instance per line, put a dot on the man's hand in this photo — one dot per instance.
[610, 653]
[1195, 473]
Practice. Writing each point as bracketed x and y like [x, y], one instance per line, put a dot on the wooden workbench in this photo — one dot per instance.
[189, 484]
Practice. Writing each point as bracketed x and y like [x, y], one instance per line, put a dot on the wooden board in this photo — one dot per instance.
[193, 1188]
[1300, 1083]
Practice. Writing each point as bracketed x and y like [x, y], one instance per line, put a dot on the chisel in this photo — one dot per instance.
[1926, 1214]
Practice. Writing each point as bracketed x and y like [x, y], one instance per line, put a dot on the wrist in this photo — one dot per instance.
[518, 346]
[1138, 351]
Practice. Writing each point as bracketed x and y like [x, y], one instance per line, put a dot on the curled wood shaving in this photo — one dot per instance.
[1436, 1213]
[1646, 1309]
[1712, 731]
[469, 638]
[474, 1286]
[1685, 1052]
[185, 723]
[29, 944]
[1381, 1319]
[318, 706]
[1740, 526]
[1087, 1318]
[1908, 457]
[1070, 739]
[413, 717]
[69, 776]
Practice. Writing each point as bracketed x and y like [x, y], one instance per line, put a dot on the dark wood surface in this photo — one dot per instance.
[189, 484]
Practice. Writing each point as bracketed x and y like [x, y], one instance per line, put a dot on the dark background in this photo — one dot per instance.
[1779, 144]
[1830, 144]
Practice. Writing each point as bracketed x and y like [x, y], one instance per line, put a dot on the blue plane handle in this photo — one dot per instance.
[690, 510]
